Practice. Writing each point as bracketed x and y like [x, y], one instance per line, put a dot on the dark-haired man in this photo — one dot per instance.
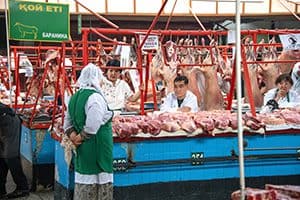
[181, 99]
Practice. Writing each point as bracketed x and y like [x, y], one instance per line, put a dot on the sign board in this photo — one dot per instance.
[151, 42]
[37, 21]
[290, 41]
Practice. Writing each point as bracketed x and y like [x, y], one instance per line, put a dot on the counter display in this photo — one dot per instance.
[188, 167]
[165, 155]
[37, 153]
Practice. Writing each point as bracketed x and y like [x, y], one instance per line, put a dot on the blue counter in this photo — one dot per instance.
[37, 153]
[212, 148]
[64, 175]
[37, 146]
[191, 167]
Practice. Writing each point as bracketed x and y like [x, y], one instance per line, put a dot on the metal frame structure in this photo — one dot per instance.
[79, 53]
[36, 58]
[163, 33]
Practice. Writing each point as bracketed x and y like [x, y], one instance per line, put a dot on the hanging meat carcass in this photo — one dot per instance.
[288, 55]
[196, 77]
[269, 71]
[251, 56]
[164, 74]
[212, 96]
[102, 57]
[202, 80]
[262, 76]
[49, 84]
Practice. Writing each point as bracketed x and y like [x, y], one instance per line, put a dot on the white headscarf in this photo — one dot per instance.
[90, 76]
[296, 77]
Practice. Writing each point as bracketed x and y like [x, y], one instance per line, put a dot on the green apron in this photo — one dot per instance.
[94, 155]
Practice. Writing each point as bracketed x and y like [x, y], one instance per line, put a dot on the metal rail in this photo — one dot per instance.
[132, 164]
[271, 148]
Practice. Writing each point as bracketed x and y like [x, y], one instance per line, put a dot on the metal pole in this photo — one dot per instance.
[169, 20]
[8, 55]
[239, 97]
[187, 32]
[199, 22]
[98, 16]
[153, 24]
[85, 48]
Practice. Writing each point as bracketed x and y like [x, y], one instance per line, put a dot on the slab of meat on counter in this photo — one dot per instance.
[222, 122]
[206, 123]
[284, 197]
[188, 126]
[125, 129]
[290, 116]
[255, 194]
[271, 118]
[291, 191]
[253, 122]
[153, 127]
[170, 126]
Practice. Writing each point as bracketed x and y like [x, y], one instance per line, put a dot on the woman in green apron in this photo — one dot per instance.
[88, 124]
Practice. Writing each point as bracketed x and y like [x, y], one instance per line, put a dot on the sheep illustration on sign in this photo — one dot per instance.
[26, 29]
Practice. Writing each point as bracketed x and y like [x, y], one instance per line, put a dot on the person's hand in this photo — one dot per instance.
[73, 135]
[78, 140]
[282, 93]
[184, 109]
[75, 138]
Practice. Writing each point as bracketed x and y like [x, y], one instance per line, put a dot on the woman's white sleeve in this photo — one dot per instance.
[97, 113]
[67, 121]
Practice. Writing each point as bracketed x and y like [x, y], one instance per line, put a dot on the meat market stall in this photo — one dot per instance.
[41, 84]
[197, 160]
[37, 109]
[190, 156]
[159, 158]
[36, 144]
[158, 155]
[193, 168]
